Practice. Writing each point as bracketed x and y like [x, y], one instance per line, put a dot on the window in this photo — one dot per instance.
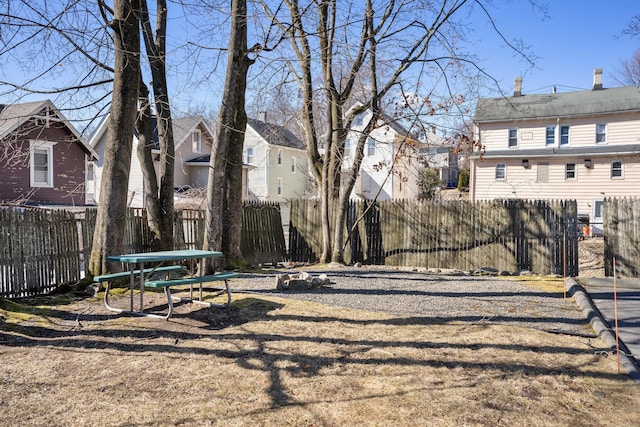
[279, 157]
[196, 144]
[501, 172]
[90, 171]
[601, 133]
[513, 137]
[250, 155]
[543, 172]
[347, 147]
[371, 147]
[597, 209]
[279, 188]
[550, 135]
[564, 135]
[357, 120]
[293, 165]
[41, 164]
[616, 169]
[570, 171]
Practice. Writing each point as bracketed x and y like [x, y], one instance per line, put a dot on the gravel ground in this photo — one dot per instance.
[450, 298]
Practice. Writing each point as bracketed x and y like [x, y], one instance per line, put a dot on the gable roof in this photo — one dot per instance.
[13, 116]
[182, 128]
[553, 105]
[276, 135]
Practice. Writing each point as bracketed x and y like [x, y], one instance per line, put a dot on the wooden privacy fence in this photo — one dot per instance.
[507, 235]
[39, 249]
[621, 224]
[42, 249]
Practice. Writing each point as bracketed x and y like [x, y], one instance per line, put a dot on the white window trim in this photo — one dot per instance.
[621, 170]
[279, 187]
[293, 165]
[249, 155]
[495, 172]
[575, 171]
[279, 156]
[41, 145]
[196, 142]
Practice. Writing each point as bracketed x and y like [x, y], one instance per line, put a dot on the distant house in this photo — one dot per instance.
[192, 139]
[579, 145]
[278, 160]
[43, 158]
[394, 158]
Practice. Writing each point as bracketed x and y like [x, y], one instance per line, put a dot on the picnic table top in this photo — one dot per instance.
[165, 256]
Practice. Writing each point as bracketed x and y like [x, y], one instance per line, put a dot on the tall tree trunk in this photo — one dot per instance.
[156, 52]
[224, 186]
[108, 238]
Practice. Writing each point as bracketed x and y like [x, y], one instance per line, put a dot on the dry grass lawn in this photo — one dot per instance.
[267, 361]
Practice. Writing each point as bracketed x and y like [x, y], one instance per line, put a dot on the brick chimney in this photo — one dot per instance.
[517, 88]
[597, 79]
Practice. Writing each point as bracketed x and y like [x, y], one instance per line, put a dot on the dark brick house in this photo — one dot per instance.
[43, 158]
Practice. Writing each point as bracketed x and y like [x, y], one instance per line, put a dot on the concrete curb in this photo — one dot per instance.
[601, 327]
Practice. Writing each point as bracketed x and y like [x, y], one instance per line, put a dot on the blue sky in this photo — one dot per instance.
[576, 38]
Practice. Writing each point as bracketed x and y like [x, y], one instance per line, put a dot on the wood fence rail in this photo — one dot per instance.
[507, 235]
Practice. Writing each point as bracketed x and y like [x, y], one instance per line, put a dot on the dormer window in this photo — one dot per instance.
[196, 141]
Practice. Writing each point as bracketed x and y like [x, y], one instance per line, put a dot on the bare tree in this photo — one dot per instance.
[354, 55]
[159, 198]
[108, 237]
[224, 186]
[629, 72]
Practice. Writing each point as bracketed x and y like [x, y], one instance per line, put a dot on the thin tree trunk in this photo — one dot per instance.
[108, 238]
[145, 141]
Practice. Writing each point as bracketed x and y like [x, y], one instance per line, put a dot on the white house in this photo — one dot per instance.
[278, 162]
[579, 145]
[394, 157]
[192, 138]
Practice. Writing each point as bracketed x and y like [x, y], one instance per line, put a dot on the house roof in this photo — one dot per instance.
[182, 128]
[276, 135]
[553, 105]
[13, 116]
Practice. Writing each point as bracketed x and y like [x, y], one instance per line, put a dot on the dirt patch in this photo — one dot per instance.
[274, 361]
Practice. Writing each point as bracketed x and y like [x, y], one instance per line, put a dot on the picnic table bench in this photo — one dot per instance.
[144, 276]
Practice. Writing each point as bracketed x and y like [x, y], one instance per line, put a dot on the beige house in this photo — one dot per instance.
[193, 140]
[580, 145]
[277, 160]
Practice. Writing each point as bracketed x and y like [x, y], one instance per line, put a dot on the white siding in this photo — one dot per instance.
[623, 129]
[591, 184]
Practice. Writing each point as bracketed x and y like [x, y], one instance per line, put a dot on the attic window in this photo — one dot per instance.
[196, 141]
